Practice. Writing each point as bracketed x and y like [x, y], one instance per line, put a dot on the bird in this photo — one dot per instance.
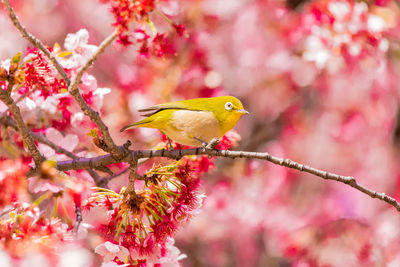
[193, 122]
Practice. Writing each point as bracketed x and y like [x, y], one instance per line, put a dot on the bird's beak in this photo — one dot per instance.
[242, 111]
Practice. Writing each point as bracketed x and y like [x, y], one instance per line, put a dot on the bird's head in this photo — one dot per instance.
[227, 110]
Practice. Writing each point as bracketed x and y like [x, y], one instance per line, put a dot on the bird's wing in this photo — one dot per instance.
[171, 105]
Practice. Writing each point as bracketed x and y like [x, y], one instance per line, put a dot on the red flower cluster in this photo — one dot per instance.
[25, 229]
[145, 222]
[65, 120]
[126, 12]
[39, 73]
[346, 28]
[162, 46]
[12, 182]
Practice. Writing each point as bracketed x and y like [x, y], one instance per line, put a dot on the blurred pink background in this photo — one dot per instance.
[321, 84]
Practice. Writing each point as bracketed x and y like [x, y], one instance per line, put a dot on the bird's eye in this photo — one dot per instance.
[228, 105]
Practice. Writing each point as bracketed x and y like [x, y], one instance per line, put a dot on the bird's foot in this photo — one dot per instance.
[170, 146]
[211, 145]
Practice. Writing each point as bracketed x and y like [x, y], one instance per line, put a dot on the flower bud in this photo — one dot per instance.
[15, 62]
[3, 74]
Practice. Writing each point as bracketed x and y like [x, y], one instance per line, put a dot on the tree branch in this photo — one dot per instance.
[87, 110]
[42, 139]
[9, 122]
[10, 85]
[60, 150]
[91, 113]
[115, 175]
[92, 59]
[35, 41]
[133, 165]
[73, 85]
[78, 212]
[22, 128]
[84, 163]
[22, 97]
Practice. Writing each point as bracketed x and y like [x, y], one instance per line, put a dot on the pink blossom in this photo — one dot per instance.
[110, 251]
[99, 95]
[68, 142]
[5, 259]
[77, 43]
[345, 28]
[37, 184]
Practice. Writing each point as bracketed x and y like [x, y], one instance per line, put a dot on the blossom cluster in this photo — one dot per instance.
[127, 12]
[343, 33]
[144, 224]
[140, 226]
[29, 234]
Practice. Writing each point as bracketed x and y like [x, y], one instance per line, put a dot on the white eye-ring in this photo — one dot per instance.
[228, 105]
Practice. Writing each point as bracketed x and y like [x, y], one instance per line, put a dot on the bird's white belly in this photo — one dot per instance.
[188, 127]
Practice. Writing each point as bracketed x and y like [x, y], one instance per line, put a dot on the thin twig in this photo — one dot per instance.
[130, 196]
[87, 110]
[78, 212]
[22, 97]
[9, 122]
[35, 41]
[132, 173]
[60, 150]
[116, 174]
[22, 128]
[73, 85]
[92, 59]
[10, 85]
[104, 160]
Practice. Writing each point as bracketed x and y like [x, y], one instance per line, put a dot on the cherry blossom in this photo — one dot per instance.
[109, 251]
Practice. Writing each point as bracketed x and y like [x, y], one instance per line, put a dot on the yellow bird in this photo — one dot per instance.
[193, 122]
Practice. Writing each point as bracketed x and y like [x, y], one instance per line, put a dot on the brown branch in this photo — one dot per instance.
[22, 97]
[60, 150]
[78, 212]
[132, 173]
[87, 110]
[104, 180]
[9, 122]
[35, 41]
[116, 174]
[73, 85]
[130, 196]
[92, 59]
[10, 85]
[84, 163]
[22, 128]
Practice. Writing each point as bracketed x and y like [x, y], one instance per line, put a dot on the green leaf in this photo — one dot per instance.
[16, 59]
